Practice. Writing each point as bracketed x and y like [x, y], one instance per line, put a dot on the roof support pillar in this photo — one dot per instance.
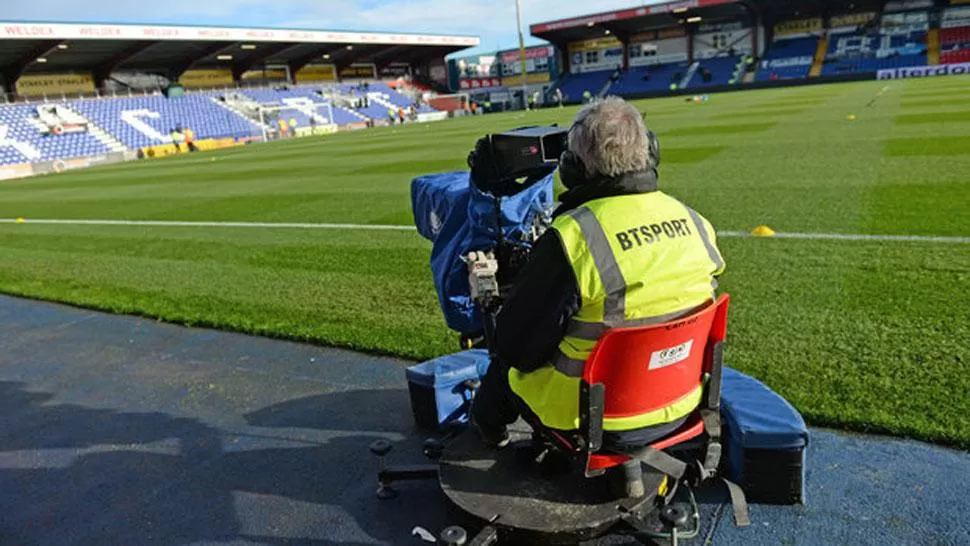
[624, 38]
[103, 71]
[690, 45]
[566, 59]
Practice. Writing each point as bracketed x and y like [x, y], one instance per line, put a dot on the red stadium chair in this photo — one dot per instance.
[632, 371]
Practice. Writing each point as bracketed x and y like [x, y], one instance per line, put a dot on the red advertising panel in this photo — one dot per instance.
[532, 53]
[479, 83]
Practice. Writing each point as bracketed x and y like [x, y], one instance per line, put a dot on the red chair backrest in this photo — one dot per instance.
[648, 368]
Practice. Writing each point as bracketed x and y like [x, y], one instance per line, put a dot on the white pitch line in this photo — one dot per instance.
[163, 223]
[385, 227]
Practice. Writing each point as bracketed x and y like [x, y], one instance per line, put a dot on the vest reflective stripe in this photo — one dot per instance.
[572, 367]
[594, 330]
[637, 261]
[711, 251]
[668, 414]
[609, 271]
[562, 412]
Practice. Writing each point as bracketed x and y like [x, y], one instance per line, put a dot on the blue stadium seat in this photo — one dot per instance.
[722, 70]
[869, 51]
[648, 79]
[15, 126]
[788, 58]
[147, 121]
[574, 85]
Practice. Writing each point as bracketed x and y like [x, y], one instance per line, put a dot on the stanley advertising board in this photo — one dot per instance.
[215, 77]
[317, 73]
[37, 85]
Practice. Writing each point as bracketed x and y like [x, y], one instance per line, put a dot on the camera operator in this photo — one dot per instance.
[619, 253]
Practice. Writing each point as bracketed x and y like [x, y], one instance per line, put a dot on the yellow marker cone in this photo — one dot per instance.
[763, 231]
[851, 117]
[20, 220]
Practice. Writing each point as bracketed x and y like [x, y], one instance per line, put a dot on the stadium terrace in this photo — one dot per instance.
[121, 91]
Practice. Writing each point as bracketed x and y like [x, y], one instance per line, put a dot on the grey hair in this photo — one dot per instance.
[610, 138]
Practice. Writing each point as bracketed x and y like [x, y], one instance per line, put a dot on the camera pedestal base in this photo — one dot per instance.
[496, 489]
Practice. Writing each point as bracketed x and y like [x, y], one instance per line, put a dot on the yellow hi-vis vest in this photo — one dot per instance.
[638, 259]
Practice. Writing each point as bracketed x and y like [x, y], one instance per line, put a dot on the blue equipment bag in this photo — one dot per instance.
[765, 440]
[458, 218]
[439, 396]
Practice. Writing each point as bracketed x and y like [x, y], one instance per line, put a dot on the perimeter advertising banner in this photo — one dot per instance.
[215, 77]
[958, 69]
[55, 84]
[10, 172]
[851, 19]
[812, 25]
[266, 75]
[317, 73]
[361, 70]
[479, 83]
[530, 79]
[61, 165]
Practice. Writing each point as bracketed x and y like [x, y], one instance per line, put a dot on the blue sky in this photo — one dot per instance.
[492, 20]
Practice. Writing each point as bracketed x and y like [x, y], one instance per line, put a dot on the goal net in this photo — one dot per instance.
[296, 117]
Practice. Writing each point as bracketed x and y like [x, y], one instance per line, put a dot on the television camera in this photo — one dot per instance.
[502, 166]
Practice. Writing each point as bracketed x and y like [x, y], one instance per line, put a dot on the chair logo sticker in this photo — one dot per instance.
[673, 355]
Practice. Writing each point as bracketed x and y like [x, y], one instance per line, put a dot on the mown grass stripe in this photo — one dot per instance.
[385, 227]
[935, 117]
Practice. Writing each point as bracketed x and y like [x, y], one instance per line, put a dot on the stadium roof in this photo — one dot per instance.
[670, 14]
[36, 47]
[631, 20]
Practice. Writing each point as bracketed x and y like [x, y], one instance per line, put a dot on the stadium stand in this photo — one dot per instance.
[868, 52]
[713, 53]
[955, 45]
[715, 71]
[788, 58]
[646, 79]
[394, 97]
[299, 96]
[147, 121]
[574, 85]
[137, 122]
[25, 138]
[302, 102]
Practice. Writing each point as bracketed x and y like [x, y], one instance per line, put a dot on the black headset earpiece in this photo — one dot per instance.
[653, 145]
[572, 170]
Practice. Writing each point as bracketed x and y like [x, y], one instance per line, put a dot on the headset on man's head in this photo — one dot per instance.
[572, 170]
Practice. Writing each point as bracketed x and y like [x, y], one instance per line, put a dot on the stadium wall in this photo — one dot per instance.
[10, 172]
[750, 86]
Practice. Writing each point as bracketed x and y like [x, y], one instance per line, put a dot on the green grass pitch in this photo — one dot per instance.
[863, 335]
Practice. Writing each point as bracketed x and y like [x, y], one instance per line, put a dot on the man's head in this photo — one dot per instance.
[608, 139]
